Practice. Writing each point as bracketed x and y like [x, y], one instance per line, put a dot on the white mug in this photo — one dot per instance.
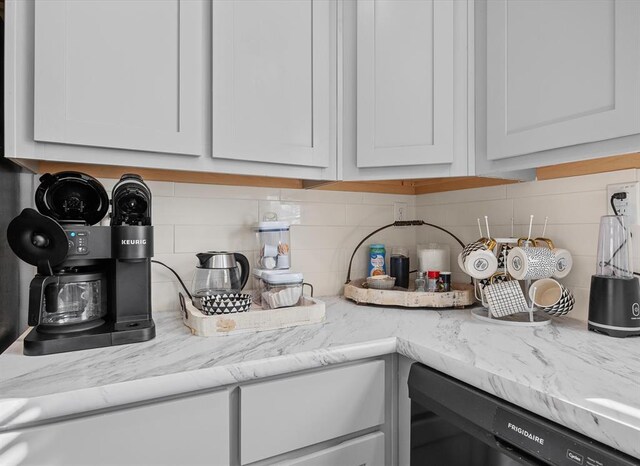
[545, 293]
[481, 264]
[483, 244]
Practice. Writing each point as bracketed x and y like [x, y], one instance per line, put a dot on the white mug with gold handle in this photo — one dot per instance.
[564, 260]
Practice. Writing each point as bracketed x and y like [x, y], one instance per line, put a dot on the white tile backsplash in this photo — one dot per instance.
[312, 195]
[204, 211]
[163, 239]
[195, 238]
[305, 213]
[465, 195]
[369, 214]
[570, 208]
[327, 225]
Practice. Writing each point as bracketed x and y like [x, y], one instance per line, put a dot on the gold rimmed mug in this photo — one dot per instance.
[564, 260]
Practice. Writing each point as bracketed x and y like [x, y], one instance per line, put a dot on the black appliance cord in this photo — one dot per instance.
[177, 276]
[615, 212]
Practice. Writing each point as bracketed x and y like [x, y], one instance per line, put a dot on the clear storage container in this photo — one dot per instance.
[273, 247]
[257, 285]
[281, 289]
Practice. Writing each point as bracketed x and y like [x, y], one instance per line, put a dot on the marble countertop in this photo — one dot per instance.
[585, 381]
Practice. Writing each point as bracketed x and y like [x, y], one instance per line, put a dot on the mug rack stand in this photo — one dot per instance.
[534, 317]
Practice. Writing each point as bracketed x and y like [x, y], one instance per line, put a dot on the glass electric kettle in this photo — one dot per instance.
[219, 272]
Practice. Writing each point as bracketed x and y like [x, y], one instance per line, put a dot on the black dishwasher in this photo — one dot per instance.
[455, 424]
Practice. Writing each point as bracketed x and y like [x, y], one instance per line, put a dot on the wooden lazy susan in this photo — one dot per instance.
[461, 295]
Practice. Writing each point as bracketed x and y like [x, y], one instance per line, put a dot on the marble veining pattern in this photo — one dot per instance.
[587, 382]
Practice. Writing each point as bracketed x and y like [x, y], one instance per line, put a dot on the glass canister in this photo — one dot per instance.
[281, 289]
[273, 243]
[257, 284]
[614, 248]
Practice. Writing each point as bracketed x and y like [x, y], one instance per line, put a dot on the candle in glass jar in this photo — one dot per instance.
[434, 256]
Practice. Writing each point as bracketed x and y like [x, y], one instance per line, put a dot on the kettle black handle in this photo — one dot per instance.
[36, 295]
[244, 268]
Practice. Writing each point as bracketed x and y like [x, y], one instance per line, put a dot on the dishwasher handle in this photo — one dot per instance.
[516, 453]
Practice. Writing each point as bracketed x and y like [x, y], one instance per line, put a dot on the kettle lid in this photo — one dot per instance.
[216, 260]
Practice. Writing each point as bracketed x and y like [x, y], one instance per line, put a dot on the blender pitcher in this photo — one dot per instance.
[614, 248]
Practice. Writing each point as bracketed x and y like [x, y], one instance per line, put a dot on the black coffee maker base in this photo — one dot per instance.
[38, 344]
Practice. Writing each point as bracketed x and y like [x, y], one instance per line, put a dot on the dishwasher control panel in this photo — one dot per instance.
[548, 442]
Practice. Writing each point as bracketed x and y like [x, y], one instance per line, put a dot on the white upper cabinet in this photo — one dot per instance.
[273, 73]
[560, 73]
[120, 74]
[403, 89]
[404, 82]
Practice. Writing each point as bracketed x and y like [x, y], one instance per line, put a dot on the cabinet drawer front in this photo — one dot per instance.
[192, 430]
[367, 450]
[284, 415]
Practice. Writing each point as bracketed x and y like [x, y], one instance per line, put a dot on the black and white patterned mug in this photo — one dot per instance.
[564, 260]
[552, 297]
[531, 263]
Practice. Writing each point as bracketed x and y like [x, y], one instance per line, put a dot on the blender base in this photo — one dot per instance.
[614, 306]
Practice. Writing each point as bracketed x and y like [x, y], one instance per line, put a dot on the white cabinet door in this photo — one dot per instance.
[561, 73]
[121, 74]
[405, 82]
[367, 450]
[274, 81]
[190, 431]
[283, 415]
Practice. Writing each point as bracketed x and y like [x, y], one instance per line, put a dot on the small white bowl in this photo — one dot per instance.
[381, 282]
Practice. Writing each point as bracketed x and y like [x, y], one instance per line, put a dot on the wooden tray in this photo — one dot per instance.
[462, 295]
[311, 311]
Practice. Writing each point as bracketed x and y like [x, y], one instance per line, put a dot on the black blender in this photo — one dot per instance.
[93, 283]
[614, 298]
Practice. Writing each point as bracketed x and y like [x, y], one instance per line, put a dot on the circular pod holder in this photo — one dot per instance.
[72, 197]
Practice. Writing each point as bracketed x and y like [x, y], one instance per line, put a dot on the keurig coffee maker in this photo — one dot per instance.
[93, 283]
[614, 297]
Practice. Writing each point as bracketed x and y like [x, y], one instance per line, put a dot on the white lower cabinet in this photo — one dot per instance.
[283, 415]
[367, 450]
[189, 431]
[332, 416]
